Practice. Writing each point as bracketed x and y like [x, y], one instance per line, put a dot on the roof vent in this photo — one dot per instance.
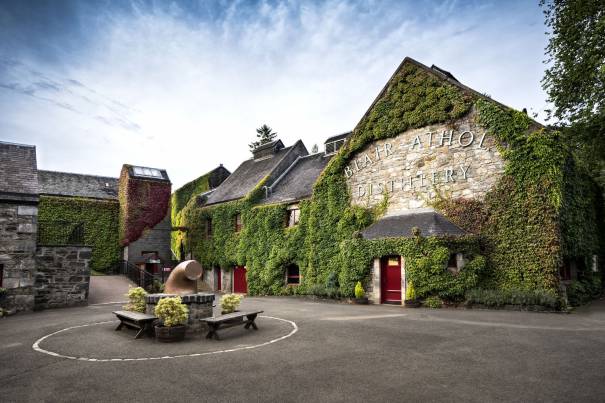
[267, 150]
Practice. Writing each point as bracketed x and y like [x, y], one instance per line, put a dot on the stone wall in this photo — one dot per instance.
[63, 276]
[456, 160]
[156, 239]
[18, 229]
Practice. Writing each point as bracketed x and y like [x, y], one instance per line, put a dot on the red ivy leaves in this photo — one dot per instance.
[143, 204]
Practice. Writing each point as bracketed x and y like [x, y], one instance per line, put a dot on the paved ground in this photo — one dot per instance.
[105, 289]
[340, 353]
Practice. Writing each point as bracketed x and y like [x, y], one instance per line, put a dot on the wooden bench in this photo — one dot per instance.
[136, 320]
[229, 320]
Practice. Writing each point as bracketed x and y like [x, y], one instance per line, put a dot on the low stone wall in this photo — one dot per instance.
[63, 276]
[199, 305]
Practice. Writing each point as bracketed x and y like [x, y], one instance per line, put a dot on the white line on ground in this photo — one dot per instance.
[36, 345]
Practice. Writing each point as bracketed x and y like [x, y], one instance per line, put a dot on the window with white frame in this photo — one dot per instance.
[333, 146]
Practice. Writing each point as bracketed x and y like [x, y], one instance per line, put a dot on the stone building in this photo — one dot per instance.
[57, 226]
[431, 162]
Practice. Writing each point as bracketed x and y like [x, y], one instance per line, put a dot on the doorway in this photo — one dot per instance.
[390, 280]
[240, 284]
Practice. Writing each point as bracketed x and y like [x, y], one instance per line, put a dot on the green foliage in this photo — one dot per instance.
[100, 221]
[410, 292]
[433, 302]
[518, 297]
[171, 311]
[359, 291]
[181, 198]
[264, 135]
[230, 302]
[582, 291]
[136, 299]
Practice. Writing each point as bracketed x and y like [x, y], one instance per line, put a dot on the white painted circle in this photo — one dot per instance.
[36, 345]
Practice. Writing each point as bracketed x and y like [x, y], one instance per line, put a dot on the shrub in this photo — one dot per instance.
[433, 302]
[230, 302]
[136, 299]
[582, 291]
[359, 292]
[171, 311]
[410, 293]
[523, 298]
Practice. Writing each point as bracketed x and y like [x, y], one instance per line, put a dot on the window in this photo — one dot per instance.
[292, 275]
[149, 172]
[238, 222]
[208, 227]
[293, 216]
[333, 146]
[455, 263]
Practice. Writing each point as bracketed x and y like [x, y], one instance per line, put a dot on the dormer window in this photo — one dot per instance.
[333, 146]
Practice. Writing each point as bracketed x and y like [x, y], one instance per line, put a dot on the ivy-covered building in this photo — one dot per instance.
[57, 226]
[439, 191]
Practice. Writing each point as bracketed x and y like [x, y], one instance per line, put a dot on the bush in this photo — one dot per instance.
[582, 291]
[359, 292]
[410, 293]
[136, 300]
[171, 311]
[230, 302]
[433, 302]
[523, 298]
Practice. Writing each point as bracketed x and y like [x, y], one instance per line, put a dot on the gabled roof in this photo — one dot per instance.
[249, 174]
[19, 175]
[297, 182]
[428, 221]
[77, 185]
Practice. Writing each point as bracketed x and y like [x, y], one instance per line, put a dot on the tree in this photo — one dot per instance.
[265, 135]
[575, 80]
[315, 149]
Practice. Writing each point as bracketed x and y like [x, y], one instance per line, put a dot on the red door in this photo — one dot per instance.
[390, 280]
[240, 284]
[218, 278]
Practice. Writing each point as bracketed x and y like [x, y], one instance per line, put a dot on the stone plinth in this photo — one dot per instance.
[199, 306]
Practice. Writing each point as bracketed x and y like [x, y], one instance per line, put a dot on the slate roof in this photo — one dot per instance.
[249, 174]
[297, 182]
[18, 172]
[70, 184]
[428, 221]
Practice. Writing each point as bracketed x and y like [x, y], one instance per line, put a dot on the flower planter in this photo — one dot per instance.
[360, 301]
[168, 334]
[412, 303]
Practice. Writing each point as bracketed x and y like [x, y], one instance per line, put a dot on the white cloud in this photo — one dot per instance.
[169, 91]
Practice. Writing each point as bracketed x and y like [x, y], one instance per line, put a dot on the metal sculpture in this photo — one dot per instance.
[183, 279]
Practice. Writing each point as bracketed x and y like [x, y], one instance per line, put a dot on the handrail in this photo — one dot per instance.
[140, 277]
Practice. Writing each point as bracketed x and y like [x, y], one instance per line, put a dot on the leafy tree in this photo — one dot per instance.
[575, 80]
[265, 135]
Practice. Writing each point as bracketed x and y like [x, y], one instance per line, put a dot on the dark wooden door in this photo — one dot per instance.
[390, 280]
[218, 278]
[240, 285]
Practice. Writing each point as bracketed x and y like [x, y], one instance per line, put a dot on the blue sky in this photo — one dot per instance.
[182, 85]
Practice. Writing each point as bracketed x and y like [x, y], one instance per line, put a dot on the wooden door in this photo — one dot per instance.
[218, 278]
[390, 280]
[240, 285]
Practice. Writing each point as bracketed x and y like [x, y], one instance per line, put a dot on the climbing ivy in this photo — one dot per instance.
[99, 219]
[521, 229]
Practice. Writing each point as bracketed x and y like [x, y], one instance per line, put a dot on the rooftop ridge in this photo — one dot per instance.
[78, 174]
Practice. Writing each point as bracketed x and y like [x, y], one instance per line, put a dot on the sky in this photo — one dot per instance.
[183, 85]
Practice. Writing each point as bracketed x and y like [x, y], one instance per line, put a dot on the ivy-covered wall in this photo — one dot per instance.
[100, 220]
[143, 204]
[538, 212]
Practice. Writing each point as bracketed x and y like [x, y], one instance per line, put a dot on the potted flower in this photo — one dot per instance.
[360, 295]
[230, 303]
[410, 296]
[173, 315]
[136, 299]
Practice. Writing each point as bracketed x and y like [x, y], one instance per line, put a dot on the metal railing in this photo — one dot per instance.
[140, 277]
[60, 233]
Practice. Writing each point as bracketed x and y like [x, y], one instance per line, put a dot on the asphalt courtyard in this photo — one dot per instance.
[311, 351]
